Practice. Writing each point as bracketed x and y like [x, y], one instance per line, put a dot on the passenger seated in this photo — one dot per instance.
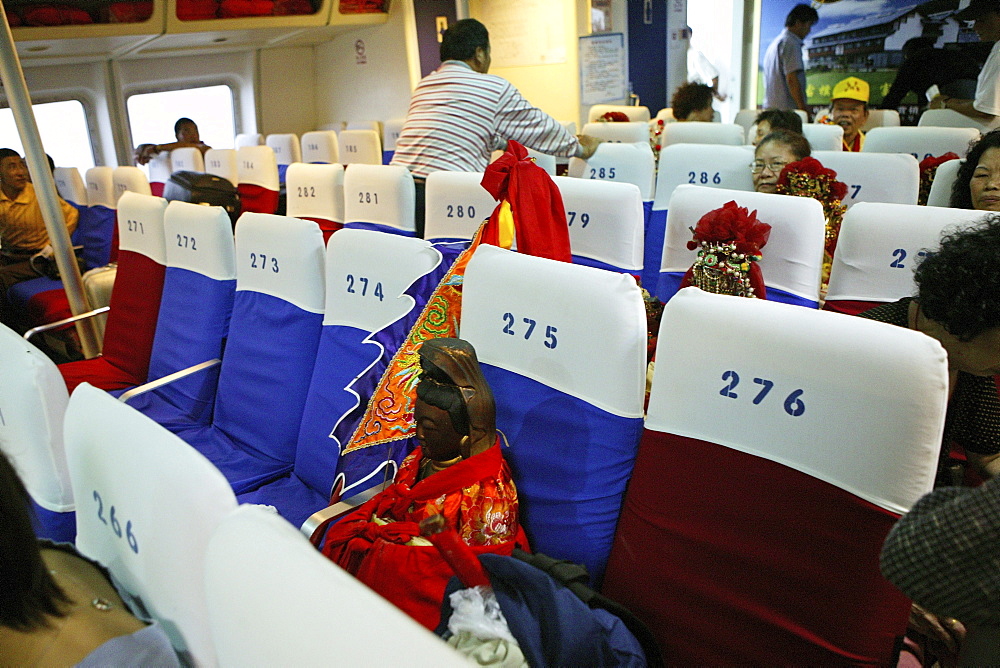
[22, 228]
[457, 471]
[958, 303]
[773, 152]
[693, 102]
[776, 119]
[58, 608]
[186, 132]
[977, 183]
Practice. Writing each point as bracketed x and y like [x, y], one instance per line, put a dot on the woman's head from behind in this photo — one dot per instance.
[977, 183]
[958, 288]
[27, 591]
[774, 152]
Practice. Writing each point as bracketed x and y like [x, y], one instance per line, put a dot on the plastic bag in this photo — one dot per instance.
[476, 611]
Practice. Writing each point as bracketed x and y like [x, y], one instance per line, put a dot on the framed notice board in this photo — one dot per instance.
[603, 68]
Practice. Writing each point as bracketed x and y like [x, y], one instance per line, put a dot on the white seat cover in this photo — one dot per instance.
[140, 225]
[392, 128]
[543, 160]
[874, 177]
[623, 163]
[666, 115]
[793, 255]
[881, 118]
[702, 165]
[286, 148]
[605, 221]
[746, 118]
[200, 239]
[33, 401]
[146, 513]
[320, 146]
[379, 194]
[131, 179]
[455, 205]
[365, 292]
[360, 146]
[187, 159]
[270, 260]
[920, 142]
[257, 166]
[569, 126]
[248, 139]
[627, 133]
[70, 185]
[949, 118]
[222, 162]
[824, 137]
[158, 168]
[813, 398]
[543, 319]
[100, 187]
[695, 132]
[274, 600]
[880, 244]
[633, 113]
[312, 191]
[944, 179]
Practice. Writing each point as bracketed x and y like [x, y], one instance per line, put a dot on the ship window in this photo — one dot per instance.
[152, 115]
[63, 129]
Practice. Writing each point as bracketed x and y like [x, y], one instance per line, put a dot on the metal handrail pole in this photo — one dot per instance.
[14, 85]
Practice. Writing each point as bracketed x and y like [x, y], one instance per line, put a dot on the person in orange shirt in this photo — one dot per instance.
[850, 111]
[22, 229]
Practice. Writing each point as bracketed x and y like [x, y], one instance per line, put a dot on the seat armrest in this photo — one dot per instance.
[315, 526]
[166, 380]
[65, 321]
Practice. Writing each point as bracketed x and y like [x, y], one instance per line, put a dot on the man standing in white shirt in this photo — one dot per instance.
[986, 107]
[784, 69]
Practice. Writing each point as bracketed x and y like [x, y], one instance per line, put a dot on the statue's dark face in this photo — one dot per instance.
[435, 432]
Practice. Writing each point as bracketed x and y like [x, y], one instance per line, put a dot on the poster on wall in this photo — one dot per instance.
[527, 32]
[603, 70]
[865, 39]
[600, 16]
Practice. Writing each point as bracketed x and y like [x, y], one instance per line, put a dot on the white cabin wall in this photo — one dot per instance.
[288, 84]
[377, 86]
[237, 70]
[555, 88]
[87, 82]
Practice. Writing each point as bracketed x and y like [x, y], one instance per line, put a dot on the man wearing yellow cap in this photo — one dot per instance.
[850, 111]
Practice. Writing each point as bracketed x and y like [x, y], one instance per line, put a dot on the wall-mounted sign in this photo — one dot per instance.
[360, 57]
[603, 68]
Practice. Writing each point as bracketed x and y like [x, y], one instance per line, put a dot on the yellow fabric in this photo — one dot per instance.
[851, 88]
[506, 219]
[21, 225]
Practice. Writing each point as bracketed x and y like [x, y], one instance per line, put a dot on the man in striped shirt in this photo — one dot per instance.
[459, 115]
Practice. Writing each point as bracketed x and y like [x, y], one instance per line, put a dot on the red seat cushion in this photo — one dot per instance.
[257, 199]
[734, 559]
[849, 306]
[56, 15]
[128, 335]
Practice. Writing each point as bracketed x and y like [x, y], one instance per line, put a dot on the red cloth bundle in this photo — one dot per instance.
[56, 15]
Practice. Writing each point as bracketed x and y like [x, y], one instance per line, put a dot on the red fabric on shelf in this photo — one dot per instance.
[240, 8]
[55, 15]
[128, 335]
[734, 559]
[130, 12]
[197, 10]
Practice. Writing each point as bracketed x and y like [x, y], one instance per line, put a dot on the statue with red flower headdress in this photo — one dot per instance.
[729, 242]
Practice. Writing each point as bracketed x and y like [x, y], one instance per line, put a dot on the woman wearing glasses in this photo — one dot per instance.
[774, 152]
